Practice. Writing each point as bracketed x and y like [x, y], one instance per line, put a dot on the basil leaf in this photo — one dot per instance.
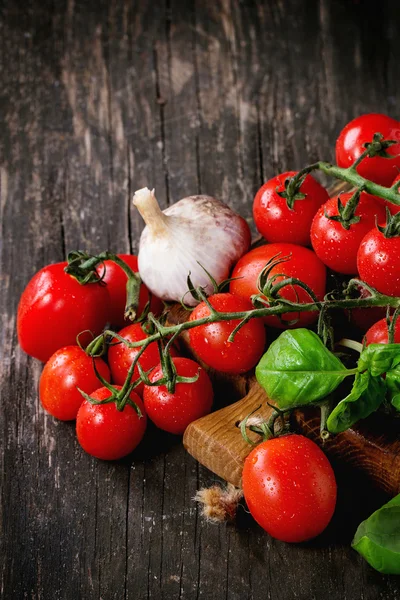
[377, 539]
[365, 397]
[298, 369]
[379, 358]
[396, 402]
[393, 387]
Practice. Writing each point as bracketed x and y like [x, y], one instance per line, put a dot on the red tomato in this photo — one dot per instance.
[350, 145]
[67, 370]
[279, 223]
[303, 265]
[54, 308]
[290, 488]
[378, 333]
[190, 401]
[120, 357]
[378, 262]
[210, 342]
[336, 246]
[394, 208]
[106, 432]
[116, 279]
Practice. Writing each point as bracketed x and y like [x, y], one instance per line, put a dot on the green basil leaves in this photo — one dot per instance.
[393, 387]
[298, 369]
[367, 394]
[379, 358]
[377, 539]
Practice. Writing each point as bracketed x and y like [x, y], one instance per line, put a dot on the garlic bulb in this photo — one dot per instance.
[197, 229]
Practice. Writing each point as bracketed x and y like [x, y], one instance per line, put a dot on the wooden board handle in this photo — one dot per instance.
[216, 440]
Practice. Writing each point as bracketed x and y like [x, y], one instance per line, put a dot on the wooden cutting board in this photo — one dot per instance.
[373, 446]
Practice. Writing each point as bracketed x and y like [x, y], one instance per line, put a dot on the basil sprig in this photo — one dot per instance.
[299, 370]
[366, 395]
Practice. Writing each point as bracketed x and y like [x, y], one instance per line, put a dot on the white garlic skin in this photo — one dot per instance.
[198, 229]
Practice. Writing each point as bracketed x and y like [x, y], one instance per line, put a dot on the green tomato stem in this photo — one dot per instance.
[279, 308]
[81, 265]
[351, 176]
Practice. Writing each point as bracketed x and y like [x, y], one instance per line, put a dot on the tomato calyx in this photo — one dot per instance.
[120, 396]
[82, 267]
[96, 348]
[392, 227]
[291, 193]
[269, 287]
[346, 212]
[170, 375]
[266, 429]
[199, 293]
[378, 146]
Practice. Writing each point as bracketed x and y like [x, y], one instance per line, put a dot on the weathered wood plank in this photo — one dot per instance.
[98, 99]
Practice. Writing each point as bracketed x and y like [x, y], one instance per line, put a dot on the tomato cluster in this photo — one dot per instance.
[347, 233]
[288, 483]
[54, 312]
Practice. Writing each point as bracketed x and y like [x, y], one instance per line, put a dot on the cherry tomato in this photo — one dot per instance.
[350, 145]
[67, 370]
[378, 333]
[333, 244]
[54, 308]
[106, 432]
[303, 264]
[290, 488]
[116, 279]
[394, 208]
[120, 357]
[210, 342]
[378, 262]
[173, 412]
[279, 223]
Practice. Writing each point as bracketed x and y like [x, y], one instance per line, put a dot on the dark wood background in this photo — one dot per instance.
[99, 98]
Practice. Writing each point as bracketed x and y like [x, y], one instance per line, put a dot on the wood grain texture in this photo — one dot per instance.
[216, 440]
[98, 99]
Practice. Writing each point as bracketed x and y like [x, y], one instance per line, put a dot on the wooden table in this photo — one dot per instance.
[214, 96]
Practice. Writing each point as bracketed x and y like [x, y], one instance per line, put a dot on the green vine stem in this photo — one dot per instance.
[280, 307]
[325, 408]
[392, 325]
[351, 176]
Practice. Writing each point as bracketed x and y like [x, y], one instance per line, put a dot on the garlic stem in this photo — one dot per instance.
[146, 203]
